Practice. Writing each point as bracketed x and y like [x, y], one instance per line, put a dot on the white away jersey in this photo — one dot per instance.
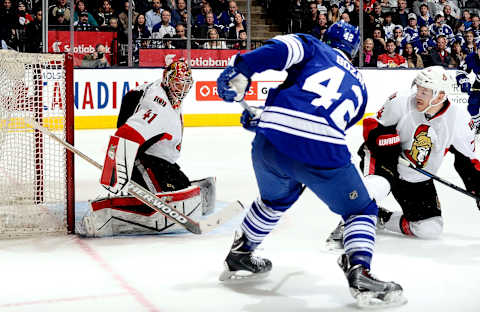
[425, 142]
[158, 123]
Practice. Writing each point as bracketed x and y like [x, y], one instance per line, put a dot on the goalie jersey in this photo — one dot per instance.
[148, 118]
[426, 141]
[323, 95]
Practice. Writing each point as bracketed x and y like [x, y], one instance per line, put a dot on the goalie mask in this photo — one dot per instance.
[177, 80]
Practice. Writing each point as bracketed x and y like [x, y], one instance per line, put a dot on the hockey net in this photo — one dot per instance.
[36, 172]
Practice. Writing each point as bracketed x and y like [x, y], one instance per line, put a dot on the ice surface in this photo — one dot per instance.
[180, 273]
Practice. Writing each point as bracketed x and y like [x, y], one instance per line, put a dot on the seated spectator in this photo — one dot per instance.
[217, 44]
[423, 44]
[296, 13]
[234, 32]
[440, 28]
[167, 42]
[34, 34]
[201, 19]
[374, 19]
[319, 29]
[466, 18]
[164, 27]
[378, 41]
[475, 27]
[153, 16]
[83, 24]
[140, 32]
[241, 44]
[60, 22]
[97, 59]
[413, 59]
[388, 26]
[334, 13]
[459, 32]
[369, 57]
[114, 26]
[391, 59]
[440, 55]
[61, 6]
[227, 18]
[469, 45]
[202, 30]
[180, 35]
[310, 19]
[219, 6]
[80, 7]
[21, 23]
[440, 7]
[399, 38]
[457, 55]
[400, 17]
[322, 9]
[123, 17]
[179, 11]
[345, 17]
[104, 14]
[449, 19]
[347, 6]
[411, 31]
[424, 17]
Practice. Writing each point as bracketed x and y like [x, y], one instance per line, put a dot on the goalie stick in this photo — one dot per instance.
[406, 163]
[203, 226]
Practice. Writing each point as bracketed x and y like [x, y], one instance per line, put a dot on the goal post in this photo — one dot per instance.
[36, 173]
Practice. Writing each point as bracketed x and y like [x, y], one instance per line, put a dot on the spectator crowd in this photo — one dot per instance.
[397, 33]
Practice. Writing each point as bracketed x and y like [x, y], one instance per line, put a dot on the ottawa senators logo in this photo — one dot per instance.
[421, 147]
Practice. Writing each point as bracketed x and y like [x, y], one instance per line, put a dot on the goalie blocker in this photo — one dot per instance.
[125, 214]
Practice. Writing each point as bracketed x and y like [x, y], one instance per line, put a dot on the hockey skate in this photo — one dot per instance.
[368, 290]
[335, 239]
[241, 264]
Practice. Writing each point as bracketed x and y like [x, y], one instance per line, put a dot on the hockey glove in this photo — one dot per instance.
[250, 122]
[118, 165]
[463, 82]
[232, 85]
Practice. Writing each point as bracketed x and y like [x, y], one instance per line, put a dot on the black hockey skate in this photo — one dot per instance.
[243, 265]
[383, 217]
[335, 239]
[369, 291]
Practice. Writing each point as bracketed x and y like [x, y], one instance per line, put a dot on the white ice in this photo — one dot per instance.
[180, 273]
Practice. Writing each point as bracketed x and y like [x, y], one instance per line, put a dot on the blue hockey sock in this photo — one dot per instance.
[259, 221]
[359, 239]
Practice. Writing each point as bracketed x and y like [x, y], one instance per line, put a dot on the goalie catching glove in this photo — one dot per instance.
[118, 165]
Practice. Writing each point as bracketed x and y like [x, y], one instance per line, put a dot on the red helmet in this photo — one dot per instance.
[177, 79]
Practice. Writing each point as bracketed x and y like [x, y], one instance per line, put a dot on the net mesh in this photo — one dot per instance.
[32, 165]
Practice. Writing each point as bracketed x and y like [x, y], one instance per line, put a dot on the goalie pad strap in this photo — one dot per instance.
[133, 205]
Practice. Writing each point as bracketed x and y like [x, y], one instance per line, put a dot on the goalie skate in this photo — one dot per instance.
[335, 239]
[368, 291]
[241, 265]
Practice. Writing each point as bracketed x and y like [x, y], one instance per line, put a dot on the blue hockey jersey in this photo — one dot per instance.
[472, 64]
[323, 95]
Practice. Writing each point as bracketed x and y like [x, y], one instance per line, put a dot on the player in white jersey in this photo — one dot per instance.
[421, 126]
[145, 149]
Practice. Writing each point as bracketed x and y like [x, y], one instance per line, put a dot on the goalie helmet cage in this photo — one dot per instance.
[36, 172]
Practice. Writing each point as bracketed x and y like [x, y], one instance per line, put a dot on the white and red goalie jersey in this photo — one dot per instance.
[156, 123]
[426, 141]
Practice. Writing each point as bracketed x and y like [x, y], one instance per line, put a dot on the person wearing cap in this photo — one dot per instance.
[61, 7]
[83, 24]
[411, 31]
[81, 8]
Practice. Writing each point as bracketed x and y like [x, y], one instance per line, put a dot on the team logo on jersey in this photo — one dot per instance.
[159, 100]
[421, 147]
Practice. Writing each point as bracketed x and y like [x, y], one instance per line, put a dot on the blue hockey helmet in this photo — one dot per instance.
[344, 36]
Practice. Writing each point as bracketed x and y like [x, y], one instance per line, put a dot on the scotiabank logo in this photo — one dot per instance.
[59, 46]
[207, 91]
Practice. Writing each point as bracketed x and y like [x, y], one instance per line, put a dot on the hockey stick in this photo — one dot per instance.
[406, 163]
[152, 201]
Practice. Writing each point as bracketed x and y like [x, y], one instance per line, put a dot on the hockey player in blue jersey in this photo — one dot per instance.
[300, 142]
[471, 64]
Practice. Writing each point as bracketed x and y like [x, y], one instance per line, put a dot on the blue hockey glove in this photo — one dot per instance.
[232, 85]
[464, 83]
[250, 122]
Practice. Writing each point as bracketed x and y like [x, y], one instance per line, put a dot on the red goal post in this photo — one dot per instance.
[37, 193]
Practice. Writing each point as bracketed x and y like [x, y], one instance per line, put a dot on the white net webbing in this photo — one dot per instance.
[32, 165]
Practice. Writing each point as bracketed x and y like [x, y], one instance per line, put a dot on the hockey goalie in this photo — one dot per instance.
[145, 149]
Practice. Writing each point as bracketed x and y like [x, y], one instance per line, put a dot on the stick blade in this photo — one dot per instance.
[217, 219]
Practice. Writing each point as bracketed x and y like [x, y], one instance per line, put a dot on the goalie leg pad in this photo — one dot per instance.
[127, 215]
[208, 191]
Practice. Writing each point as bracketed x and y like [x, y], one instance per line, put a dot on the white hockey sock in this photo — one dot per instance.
[359, 238]
[259, 222]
